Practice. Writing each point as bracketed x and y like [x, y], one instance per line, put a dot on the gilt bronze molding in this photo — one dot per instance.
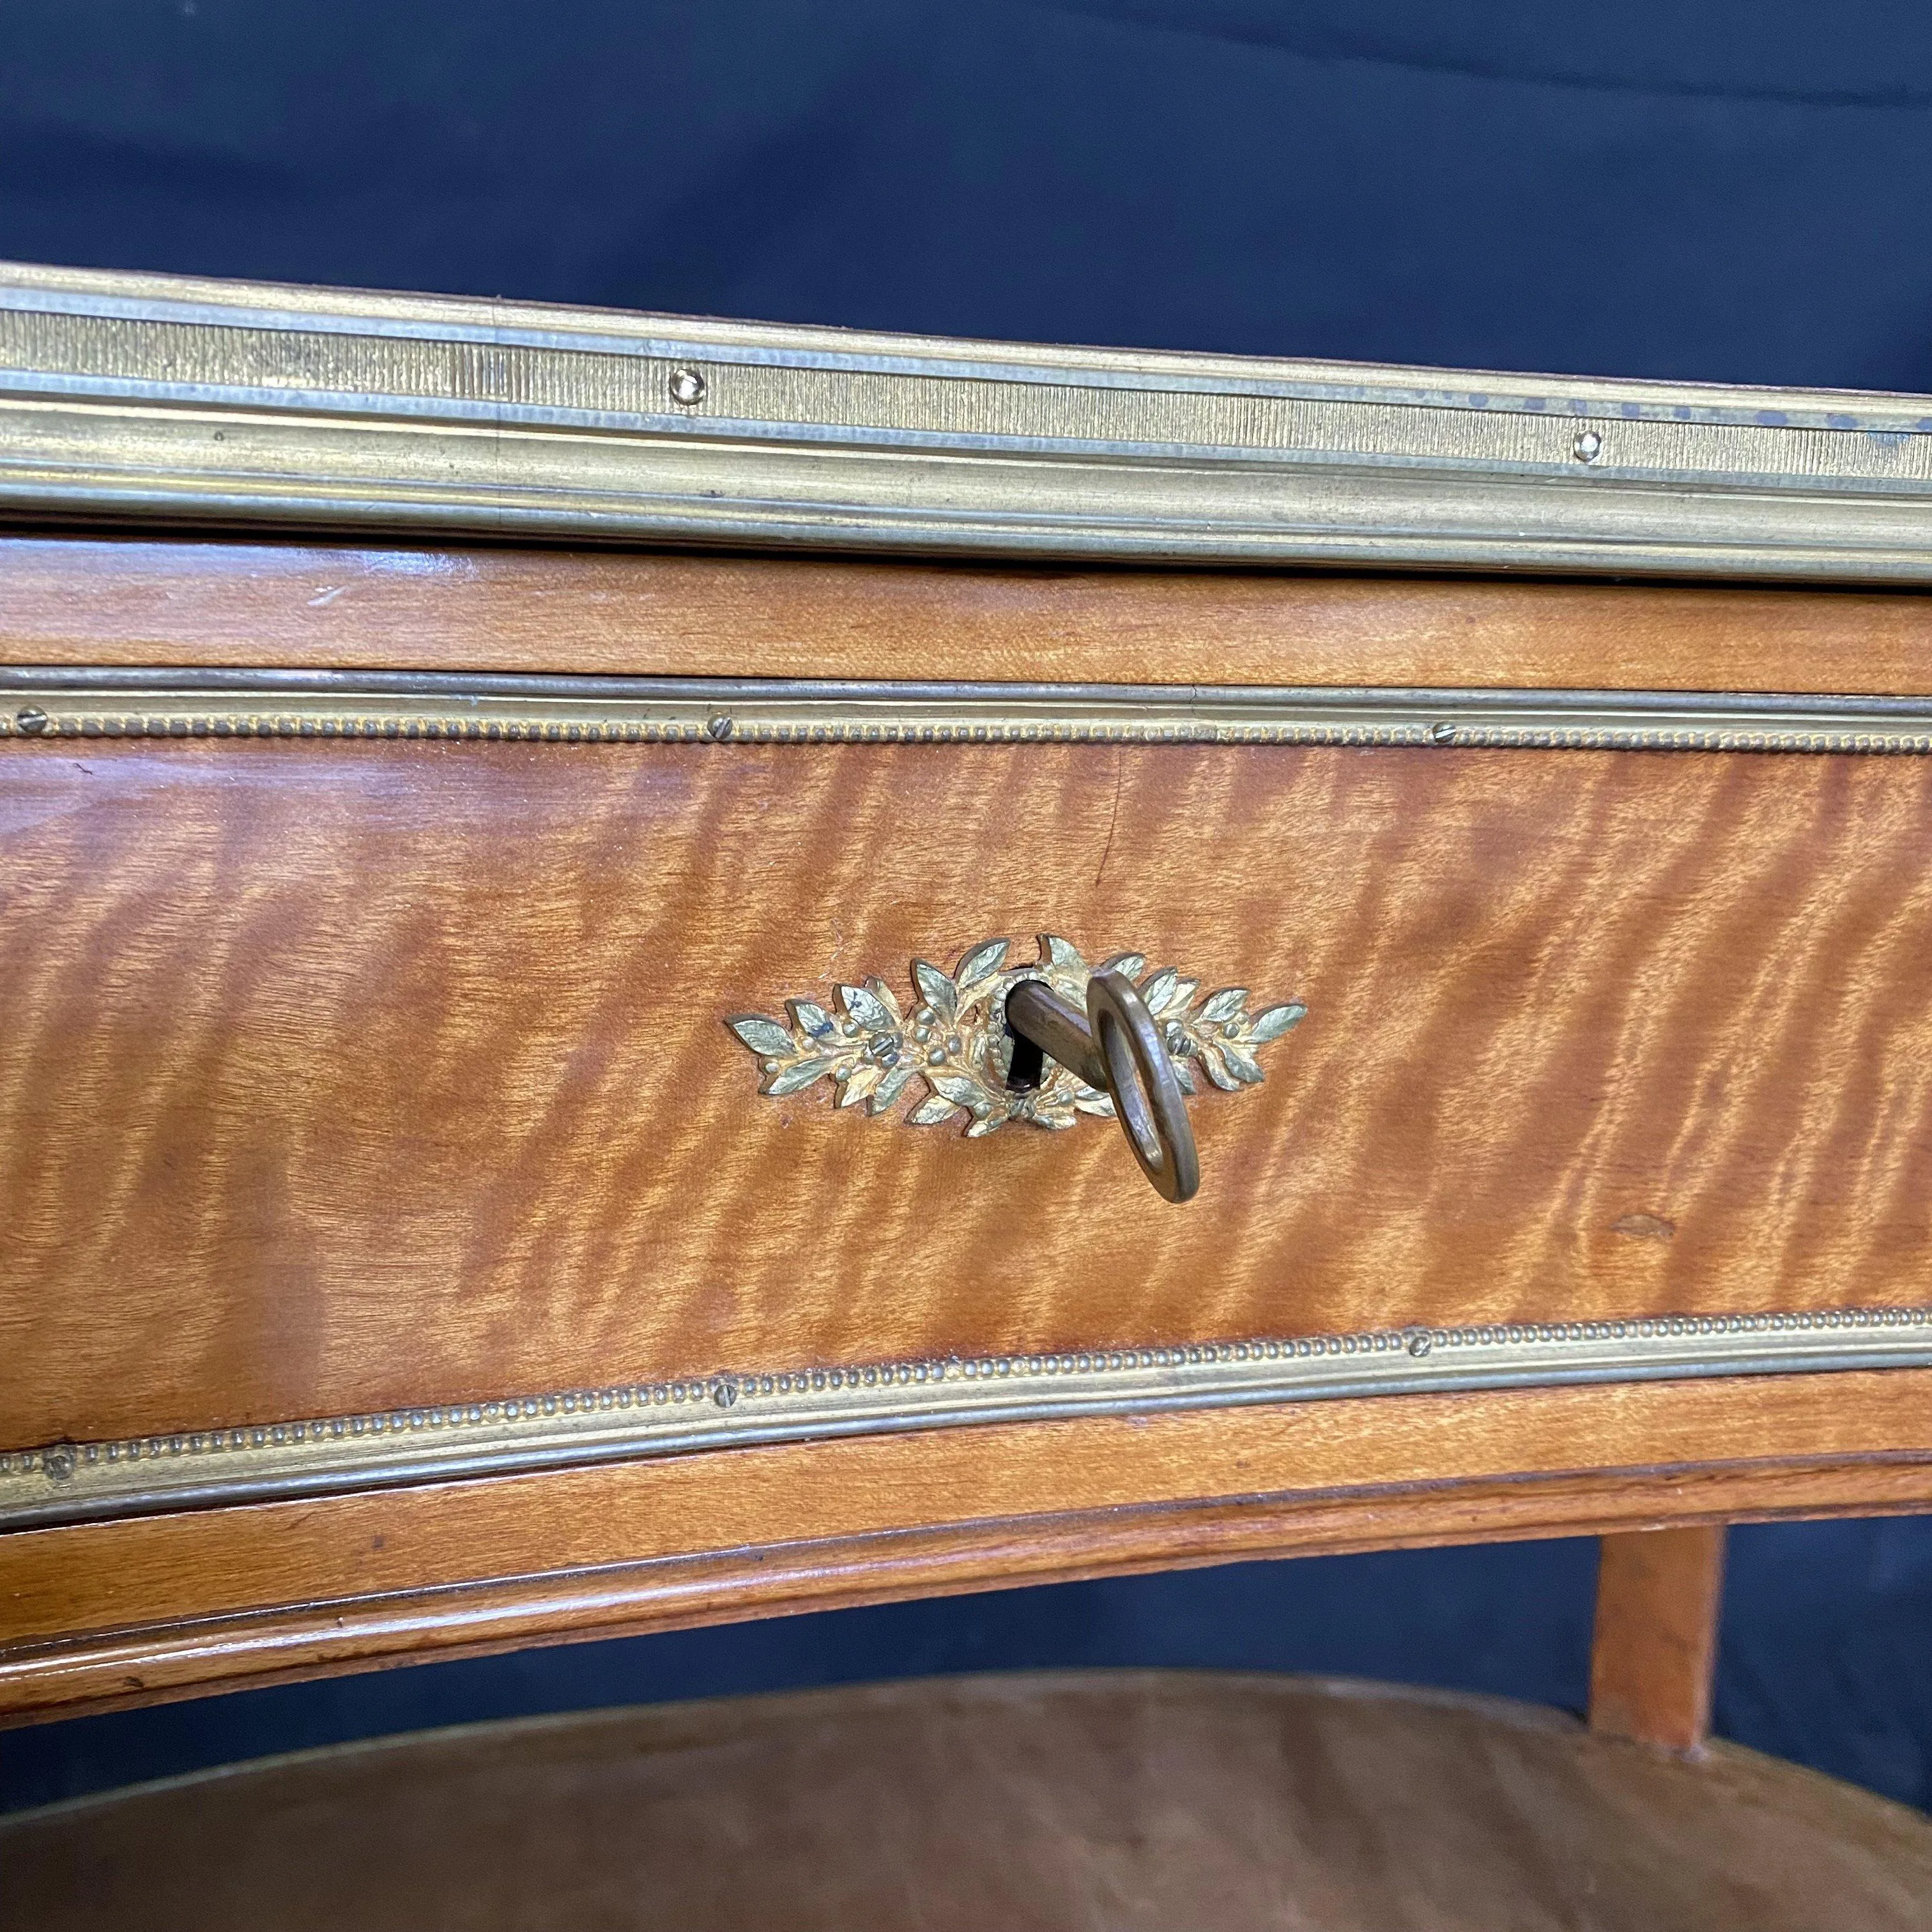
[69, 1482]
[155, 398]
[47, 705]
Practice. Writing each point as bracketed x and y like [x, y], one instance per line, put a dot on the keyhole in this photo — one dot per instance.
[1026, 1065]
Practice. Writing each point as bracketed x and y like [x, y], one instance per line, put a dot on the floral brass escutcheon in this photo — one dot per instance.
[956, 1040]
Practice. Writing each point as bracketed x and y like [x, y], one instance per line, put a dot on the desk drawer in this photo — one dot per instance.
[343, 1078]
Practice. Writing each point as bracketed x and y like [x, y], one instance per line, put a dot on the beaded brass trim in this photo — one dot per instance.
[58, 704]
[68, 1482]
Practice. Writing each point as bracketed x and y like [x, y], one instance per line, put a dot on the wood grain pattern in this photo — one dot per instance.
[138, 601]
[128, 1611]
[343, 1078]
[1659, 1597]
[1217, 1801]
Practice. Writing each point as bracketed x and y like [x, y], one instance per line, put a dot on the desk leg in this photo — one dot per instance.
[1658, 1592]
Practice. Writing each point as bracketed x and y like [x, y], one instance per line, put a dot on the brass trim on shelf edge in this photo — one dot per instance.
[67, 1482]
[156, 399]
[39, 703]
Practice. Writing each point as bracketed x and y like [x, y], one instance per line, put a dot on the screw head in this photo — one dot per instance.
[719, 727]
[687, 387]
[1588, 447]
[1443, 733]
[33, 720]
[58, 1461]
[724, 1392]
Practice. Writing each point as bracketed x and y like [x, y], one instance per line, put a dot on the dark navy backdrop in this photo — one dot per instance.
[1738, 192]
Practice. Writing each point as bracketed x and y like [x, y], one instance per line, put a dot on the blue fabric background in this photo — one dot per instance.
[1738, 192]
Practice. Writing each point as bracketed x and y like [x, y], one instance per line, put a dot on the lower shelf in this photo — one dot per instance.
[1067, 1800]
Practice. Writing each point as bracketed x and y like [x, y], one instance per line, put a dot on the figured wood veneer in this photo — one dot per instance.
[334, 607]
[337, 1078]
[343, 1077]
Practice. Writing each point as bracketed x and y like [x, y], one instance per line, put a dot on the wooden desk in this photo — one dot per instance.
[432, 729]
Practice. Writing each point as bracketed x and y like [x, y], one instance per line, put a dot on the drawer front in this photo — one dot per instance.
[342, 1079]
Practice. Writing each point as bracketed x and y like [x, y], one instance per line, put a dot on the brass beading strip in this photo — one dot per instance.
[71, 1482]
[42, 704]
